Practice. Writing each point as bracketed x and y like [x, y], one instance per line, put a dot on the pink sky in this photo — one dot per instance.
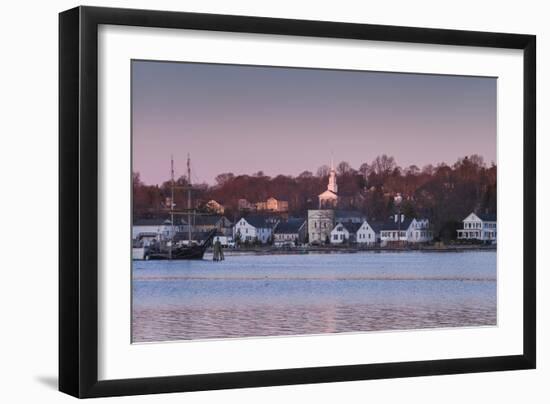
[243, 119]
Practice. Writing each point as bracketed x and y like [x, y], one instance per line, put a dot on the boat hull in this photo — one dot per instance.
[182, 253]
[194, 252]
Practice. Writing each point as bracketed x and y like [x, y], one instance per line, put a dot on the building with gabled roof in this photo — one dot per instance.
[206, 223]
[253, 228]
[400, 229]
[293, 231]
[368, 233]
[344, 232]
[161, 226]
[482, 227]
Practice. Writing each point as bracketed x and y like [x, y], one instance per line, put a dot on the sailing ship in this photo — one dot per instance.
[172, 251]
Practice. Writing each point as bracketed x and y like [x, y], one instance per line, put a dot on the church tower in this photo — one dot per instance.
[332, 185]
[329, 198]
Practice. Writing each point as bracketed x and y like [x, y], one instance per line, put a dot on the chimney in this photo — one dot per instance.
[395, 218]
[402, 218]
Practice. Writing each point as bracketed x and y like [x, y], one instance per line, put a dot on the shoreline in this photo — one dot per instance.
[351, 250]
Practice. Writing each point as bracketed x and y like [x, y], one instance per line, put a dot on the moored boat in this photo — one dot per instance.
[173, 250]
[192, 252]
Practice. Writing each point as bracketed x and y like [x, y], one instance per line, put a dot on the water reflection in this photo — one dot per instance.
[290, 295]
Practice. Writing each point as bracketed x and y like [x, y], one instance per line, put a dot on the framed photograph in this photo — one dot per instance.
[251, 201]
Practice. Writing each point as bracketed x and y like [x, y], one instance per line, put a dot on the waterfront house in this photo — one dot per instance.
[482, 227]
[159, 228]
[419, 231]
[206, 223]
[344, 232]
[400, 229]
[253, 228]
[321, 222]
[368, 234]
[291, 232]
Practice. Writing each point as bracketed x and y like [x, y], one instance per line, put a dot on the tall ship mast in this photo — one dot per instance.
[181, 252]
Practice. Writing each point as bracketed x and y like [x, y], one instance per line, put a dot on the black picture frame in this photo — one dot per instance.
[78, 196]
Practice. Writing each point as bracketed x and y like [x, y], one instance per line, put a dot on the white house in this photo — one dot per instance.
[419, 231]
[162, 228]
[344, 232]
[367, 234]
[205, 223]
[291, 232]
[252, 228]
[404, 230]
[479, 227]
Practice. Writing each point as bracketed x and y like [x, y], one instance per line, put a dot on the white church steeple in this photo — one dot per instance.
[332, 185]
[329, 198]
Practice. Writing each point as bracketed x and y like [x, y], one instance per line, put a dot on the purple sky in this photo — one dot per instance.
[243, 119]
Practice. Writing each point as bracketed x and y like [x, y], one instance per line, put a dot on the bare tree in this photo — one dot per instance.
[365, 169]
[384, 164]
[343, 168]
[477, 160]
[223, 178]
[323, 171]
[136, 180]
[412, 170]
[428, 169]
[305, 174]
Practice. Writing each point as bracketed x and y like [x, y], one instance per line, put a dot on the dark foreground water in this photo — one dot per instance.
[270, 295]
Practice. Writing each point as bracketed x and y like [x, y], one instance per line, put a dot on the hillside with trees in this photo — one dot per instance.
[443, 193]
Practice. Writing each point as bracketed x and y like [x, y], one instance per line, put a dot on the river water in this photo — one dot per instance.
[271, 295]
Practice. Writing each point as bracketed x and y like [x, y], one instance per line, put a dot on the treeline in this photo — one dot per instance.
[443, 193]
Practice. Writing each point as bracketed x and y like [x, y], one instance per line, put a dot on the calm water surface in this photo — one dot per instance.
[270, 295]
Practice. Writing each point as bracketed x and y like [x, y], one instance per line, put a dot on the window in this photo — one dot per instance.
[335, 237]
